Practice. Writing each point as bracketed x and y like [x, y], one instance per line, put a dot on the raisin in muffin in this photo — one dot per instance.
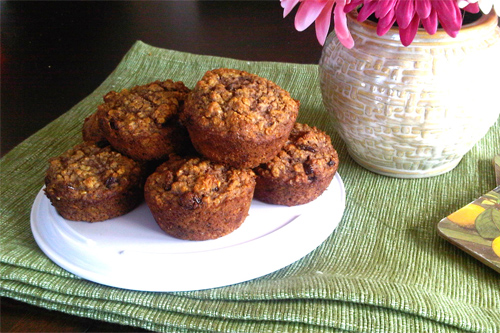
[301, 171]
[90, 183]
[196, 199]
[143, 122]
[237, 118]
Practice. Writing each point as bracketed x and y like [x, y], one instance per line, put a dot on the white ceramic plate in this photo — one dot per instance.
[132, 252]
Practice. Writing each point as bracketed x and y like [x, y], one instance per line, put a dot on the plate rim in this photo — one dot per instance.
[257, 247]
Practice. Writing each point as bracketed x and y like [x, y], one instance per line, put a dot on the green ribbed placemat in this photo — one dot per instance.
[384, 268]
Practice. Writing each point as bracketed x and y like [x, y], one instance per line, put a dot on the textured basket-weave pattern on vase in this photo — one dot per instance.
[412, 111]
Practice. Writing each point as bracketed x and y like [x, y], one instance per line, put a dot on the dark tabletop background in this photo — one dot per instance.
[55, 53]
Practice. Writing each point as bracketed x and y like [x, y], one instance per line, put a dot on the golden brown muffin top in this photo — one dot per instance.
[236, 101]
[92, 172]
[143, 109]
[307, 154]
[194, 182]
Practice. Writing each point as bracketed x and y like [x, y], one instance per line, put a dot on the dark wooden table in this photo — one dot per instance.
[54, 54]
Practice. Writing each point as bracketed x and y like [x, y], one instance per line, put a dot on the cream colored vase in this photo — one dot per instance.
[413, 111]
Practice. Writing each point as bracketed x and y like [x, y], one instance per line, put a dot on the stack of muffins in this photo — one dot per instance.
[198, 157]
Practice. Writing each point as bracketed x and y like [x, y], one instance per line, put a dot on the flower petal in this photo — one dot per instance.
[465, 3]
[368, 8]
[384, 7]
[352, 5]
[430, 23]
[447, 10]
[423, 8]
[405, 11]
[323, 22]
[408, 34]
[449, 16]
[486, 6]
[308, 12]
[385, 23]
[288, 5]
[472, 8]
[341, 29]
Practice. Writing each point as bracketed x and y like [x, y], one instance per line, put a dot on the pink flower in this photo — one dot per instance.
[320, 11]
[410, 14]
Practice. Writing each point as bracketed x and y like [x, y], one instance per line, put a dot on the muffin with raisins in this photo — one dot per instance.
[92, 183]
[301, 171]
[143, 122]
[196, 199]
[237, 118]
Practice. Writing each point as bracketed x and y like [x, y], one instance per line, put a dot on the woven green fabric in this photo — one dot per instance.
[383, 269]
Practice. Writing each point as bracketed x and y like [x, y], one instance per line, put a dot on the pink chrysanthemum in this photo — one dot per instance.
[320, 11]
[410, 14]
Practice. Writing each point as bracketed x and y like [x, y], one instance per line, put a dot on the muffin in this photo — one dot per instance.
[237, 118]
[143, 122]
[196, 199]
[301, 171]
[90, 183]
[91, 131]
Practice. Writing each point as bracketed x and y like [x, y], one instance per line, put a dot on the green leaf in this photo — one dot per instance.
[488, 223]
[494, 196]
[495, 215]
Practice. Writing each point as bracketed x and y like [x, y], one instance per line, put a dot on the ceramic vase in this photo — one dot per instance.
[412, 112]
